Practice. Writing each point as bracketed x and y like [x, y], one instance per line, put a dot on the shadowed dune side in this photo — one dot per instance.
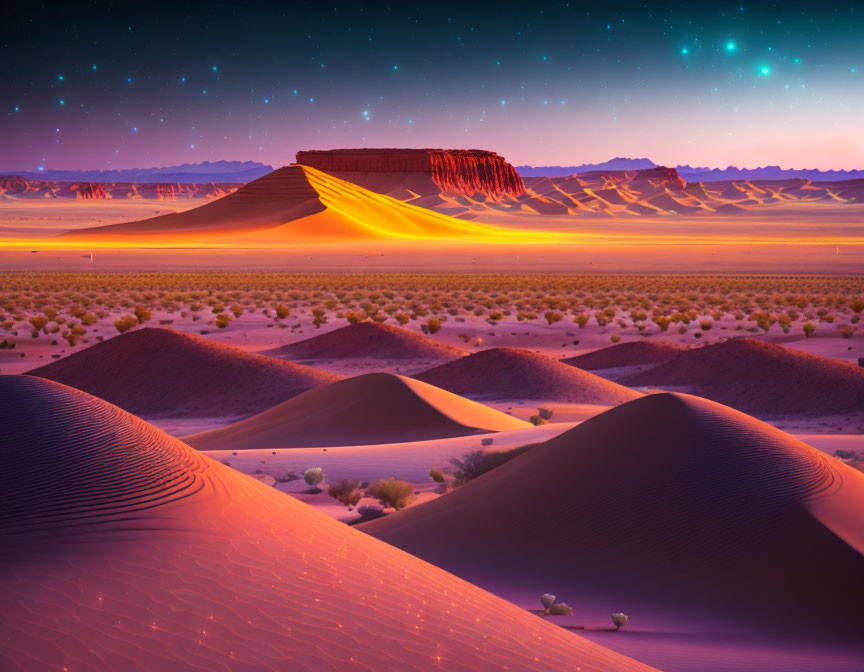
[367, 409]
[512, 373]
[762, 379]
[675, 505]
[634, 353]
[123, 549]
[162, 373]
[368, 339]
[268, 202]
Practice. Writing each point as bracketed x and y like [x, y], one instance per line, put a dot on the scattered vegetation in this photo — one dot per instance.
[345, 491]
[392, 492]
[314, 477]
[51, 302]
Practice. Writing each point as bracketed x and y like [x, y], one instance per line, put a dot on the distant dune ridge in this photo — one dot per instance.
[762, 379]
[371, 408]
[299, 204]
[513, 373]
[162, 373]
[124, 549]
[674, 505]
[633, 353]
[368, 339]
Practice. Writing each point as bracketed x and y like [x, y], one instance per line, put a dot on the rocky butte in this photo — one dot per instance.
[457, 171]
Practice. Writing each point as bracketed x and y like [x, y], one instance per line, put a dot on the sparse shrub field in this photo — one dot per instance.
[71, 306]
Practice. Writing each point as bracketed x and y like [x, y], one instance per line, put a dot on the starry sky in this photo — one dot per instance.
[109, 85]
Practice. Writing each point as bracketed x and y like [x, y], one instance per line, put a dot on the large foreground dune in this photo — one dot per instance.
[674, 507]
[124, 549]
[367, 409]
[512, 373]
[763, 379]
[162, 373]
[372, 340]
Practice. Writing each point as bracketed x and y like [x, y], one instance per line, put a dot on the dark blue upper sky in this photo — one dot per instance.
[98, 85]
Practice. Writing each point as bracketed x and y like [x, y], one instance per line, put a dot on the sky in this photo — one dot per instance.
[127, 85]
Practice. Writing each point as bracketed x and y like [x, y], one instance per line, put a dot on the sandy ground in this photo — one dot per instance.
[809, 239]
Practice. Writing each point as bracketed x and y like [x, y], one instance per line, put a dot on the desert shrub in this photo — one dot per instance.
[314, 477]
[808, 328]
[89, 319]
[620, 620]
[319, 317]
[392, 492]
[237, 309]
[476, 462]
[142, 314]
[125, 323]
[432, 326]
[545, 413]
[401, 318]
[39, 322]
[223, 320]
[538, 420]
[662, 322]
[552, 317]
[846, 331]
[436, 475]
[355, 317]
[615, 338]
[560, 609]
[282, 311]
[345, 491]
[496, 317]
[581, 320]
[705, 325]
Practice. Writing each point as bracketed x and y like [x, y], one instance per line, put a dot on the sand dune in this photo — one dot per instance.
[123, 549]
[672, 505]
[297, 204]
[372, 408]
[161, 373]
[762, 379]
[634, 353]
[372, 340]
[512, 373]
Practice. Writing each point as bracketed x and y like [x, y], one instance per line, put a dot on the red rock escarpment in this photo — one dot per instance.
[461, 171]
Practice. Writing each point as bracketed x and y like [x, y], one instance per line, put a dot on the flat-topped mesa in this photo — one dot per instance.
[460, 171]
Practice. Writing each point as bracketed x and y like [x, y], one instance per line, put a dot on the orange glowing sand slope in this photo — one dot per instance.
[366, 409]
[123, 549]
[298, 204]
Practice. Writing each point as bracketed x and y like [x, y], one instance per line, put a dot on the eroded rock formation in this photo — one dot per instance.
[15, 187]
[459, 171]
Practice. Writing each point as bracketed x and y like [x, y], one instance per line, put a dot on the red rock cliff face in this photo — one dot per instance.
[461, 171]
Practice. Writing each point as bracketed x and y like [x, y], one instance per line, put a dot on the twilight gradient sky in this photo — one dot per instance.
[101, 85]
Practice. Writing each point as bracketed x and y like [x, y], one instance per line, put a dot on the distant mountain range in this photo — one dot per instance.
[618, 163]
[191, 173]
[698, 173]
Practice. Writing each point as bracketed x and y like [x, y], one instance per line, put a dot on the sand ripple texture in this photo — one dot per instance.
[125, 550]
